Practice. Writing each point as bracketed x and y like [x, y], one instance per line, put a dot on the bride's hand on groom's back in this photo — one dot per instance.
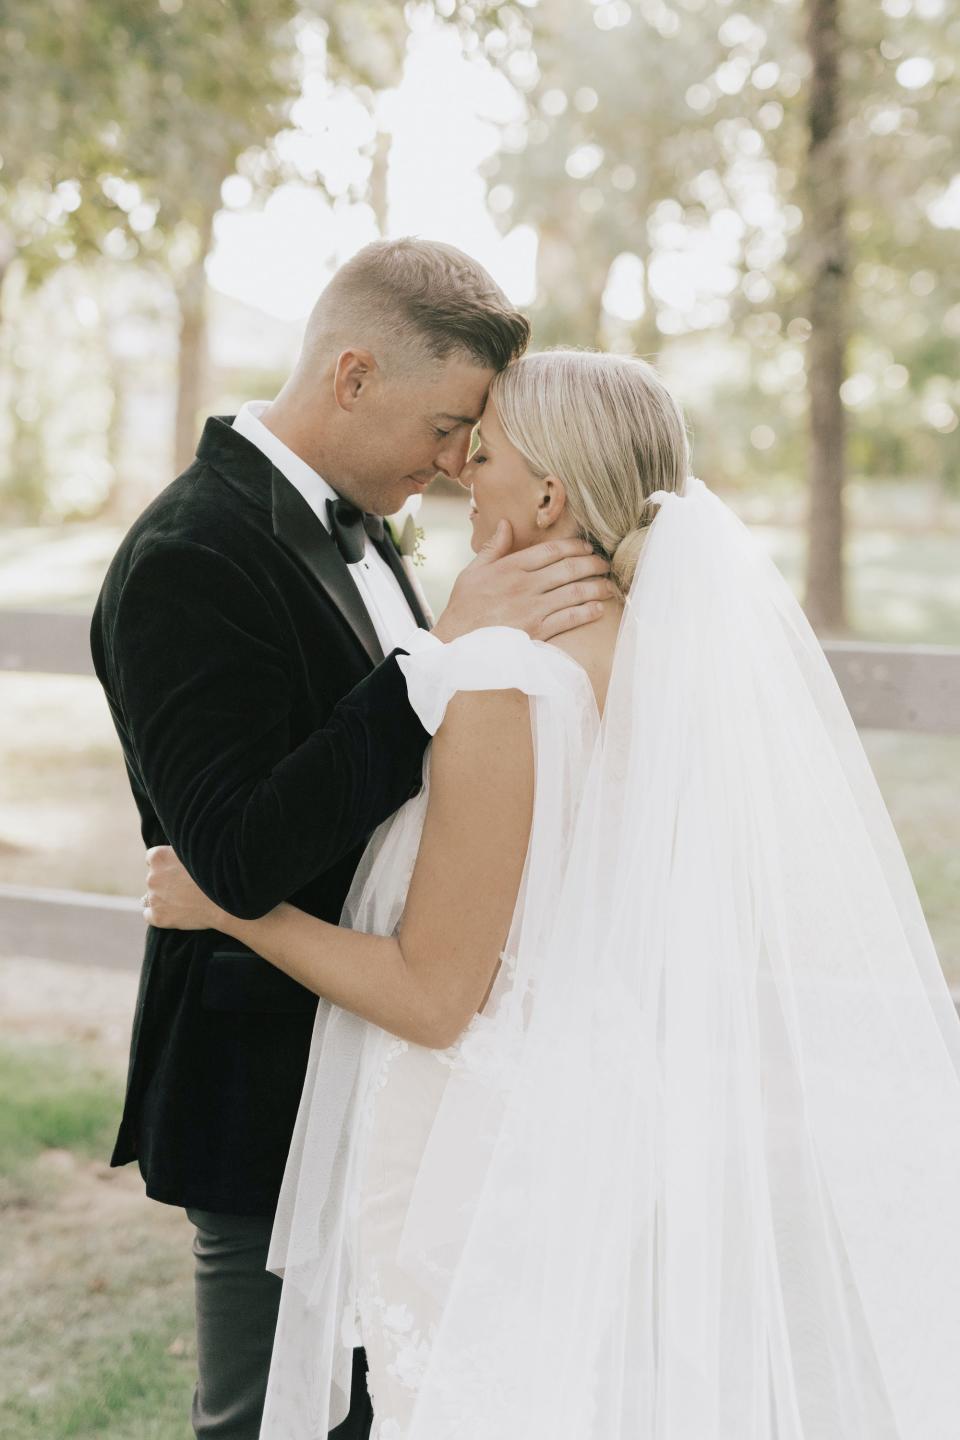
[173, 900]
[544, 590]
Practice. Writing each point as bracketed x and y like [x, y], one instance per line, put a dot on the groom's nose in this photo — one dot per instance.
[452, 454]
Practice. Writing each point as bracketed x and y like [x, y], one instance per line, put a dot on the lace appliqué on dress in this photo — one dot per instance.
[397, 1317]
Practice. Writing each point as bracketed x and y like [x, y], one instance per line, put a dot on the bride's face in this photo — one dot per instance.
[502, 487]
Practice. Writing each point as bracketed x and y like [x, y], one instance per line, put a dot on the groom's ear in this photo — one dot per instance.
[355, 370]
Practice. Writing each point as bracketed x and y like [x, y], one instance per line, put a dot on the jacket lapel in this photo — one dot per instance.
[300, 531]
[389, 551]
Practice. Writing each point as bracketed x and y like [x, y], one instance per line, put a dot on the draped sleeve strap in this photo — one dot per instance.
[496, 657]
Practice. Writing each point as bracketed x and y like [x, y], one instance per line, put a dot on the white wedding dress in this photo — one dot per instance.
[694, 1172]
[402, 1288]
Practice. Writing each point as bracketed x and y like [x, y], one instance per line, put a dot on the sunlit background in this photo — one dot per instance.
[677, 178]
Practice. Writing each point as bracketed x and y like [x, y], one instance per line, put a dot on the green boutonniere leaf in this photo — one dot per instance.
[411, 540]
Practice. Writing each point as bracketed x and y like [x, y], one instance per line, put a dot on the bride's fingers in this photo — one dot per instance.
[548, 552]
[571, 618]
[578, 592]
[498, 545]
[591, 570]
[159, 861]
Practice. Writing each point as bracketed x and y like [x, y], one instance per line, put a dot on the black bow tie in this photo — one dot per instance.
[350, 527]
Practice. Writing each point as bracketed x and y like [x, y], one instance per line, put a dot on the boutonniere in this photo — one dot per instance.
[407, 534]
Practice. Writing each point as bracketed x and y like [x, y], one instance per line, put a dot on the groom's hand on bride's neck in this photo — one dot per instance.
[545, 590]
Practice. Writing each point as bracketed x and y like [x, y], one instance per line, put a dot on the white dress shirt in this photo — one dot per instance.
[380, 592]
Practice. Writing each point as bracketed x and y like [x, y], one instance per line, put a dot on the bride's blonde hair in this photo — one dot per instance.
[605, 425]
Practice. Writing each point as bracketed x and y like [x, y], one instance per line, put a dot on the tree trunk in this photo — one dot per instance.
[24, 479]
[8, 253]
[569, 306]
[116, 503]
[826, 245]
[191, 292]
[379, 176]
[647, 340]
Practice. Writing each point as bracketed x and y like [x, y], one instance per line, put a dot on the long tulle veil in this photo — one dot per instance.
[716, 1194]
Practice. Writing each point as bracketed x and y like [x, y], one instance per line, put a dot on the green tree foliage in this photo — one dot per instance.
[121, 121]
[654, 122]
[654, 131]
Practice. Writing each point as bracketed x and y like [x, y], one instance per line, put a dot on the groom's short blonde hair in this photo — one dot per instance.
[419, 301]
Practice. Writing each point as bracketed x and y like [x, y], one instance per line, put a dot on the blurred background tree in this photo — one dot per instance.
[763, 201]
[121, 125]
[812, 144]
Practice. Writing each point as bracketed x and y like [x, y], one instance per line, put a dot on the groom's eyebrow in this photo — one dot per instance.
[458, 419]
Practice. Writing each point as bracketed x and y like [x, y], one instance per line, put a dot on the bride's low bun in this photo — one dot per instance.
[626, 555]
[624, 560]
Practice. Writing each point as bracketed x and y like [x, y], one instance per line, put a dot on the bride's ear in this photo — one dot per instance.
[551, 501]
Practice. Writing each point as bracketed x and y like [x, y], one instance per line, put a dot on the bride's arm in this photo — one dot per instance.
[426, 983]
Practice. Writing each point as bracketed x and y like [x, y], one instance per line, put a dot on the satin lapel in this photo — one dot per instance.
[299, 531]
[389, 552]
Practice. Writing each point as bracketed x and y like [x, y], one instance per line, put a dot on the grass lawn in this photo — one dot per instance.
[96, 1308]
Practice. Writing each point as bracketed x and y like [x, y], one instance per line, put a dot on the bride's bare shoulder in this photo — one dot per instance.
[592, 647]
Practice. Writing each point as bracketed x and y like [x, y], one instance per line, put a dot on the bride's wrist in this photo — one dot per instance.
[223, 921]
[446, 628]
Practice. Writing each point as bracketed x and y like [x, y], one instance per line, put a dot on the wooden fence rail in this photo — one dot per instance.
[69, 925]
[887, 687]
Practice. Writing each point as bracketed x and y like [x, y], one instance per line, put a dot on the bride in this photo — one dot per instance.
[634, 1113]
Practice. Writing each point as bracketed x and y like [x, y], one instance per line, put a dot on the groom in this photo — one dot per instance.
[240, 637]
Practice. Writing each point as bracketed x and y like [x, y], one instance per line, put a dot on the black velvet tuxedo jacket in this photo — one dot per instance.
[265, 737]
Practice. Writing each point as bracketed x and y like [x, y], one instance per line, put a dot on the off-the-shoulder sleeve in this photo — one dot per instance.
[494, 658]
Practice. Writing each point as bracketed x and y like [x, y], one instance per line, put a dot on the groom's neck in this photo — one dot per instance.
[302, 432]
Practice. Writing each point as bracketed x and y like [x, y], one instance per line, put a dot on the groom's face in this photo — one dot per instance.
[403, 430]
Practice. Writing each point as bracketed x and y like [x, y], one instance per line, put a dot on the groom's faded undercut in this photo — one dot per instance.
[424, 300]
